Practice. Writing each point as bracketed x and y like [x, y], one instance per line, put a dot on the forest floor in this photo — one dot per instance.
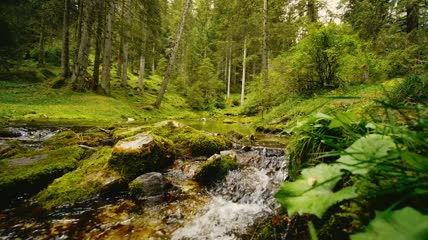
[27, 95]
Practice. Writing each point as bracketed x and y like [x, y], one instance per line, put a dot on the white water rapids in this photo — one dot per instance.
[241, 201]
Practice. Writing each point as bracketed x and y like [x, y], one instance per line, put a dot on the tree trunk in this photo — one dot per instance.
[125, 40]
[173, 54]
[265, 70]
[229, 73]
[312, 11]
[78, 30]
[244, 72]
[78, 79]
[105, 81]
[98, 43]
[120, 52]
[42, 43]
[142, 68]
[65, 57]
[412, 16]
[153, 61]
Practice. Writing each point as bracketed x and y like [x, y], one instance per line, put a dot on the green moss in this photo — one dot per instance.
[136, 188]
[91, 137]
[64, 138]
[31, 172]
[152, 157]
[91, 178]
[192, 141]
[10, 149]
[215, 169]
[122, 133]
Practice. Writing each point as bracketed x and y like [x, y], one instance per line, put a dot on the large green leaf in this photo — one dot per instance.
[365, 153]
[313, 192]
[404, 224]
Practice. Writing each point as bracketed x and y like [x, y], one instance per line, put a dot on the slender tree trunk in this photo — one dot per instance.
[173, 54]
[125, 40]
[153, 61]
[78, 30]
[78, 79]
[312, 11]
[229, 73]
[244, 72]
[412, 15]
[98, 43]
[142, 54]
[105, 81]
[226, 64]
[120, 52]
[265, 70]
[65, 57]
[42, 43]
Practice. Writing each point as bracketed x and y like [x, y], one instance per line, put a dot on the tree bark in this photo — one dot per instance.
[98, 43]
[125, 39]
[105, 81]
[78, 79]
[265, 69]
[244, 72]
[42, 43]
[65, 57]
[412, 15]
[142, 68]
[312, 11]
[173, 54]
[78, 30]
[229, 73]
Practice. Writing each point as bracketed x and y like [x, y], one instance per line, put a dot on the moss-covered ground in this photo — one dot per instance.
[30, 172]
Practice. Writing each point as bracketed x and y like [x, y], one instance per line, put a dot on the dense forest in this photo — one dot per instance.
[341, 85]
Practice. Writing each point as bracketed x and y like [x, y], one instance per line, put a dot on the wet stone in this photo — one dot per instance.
[149, 186]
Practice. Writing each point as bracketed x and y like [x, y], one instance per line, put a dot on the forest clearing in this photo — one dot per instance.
[214, 119]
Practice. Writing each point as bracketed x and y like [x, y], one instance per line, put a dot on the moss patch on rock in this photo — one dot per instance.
[122, 133]
[92, 137]
[91, 178]
[140, 154]
[215, 168]
[191, 141]
[29, 173]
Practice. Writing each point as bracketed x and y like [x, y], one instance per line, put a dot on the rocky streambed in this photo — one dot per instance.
[162, 181]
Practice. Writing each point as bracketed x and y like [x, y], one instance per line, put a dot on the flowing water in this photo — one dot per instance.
[231, 209]
[242, 200]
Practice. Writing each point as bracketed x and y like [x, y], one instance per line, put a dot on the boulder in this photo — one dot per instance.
[31, 172]
[191, 141]
[91, 178]
[149, 185]
[140, 154]
[215, 168]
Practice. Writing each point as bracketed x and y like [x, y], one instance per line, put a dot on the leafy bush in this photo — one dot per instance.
[414, 89]
[389, 163]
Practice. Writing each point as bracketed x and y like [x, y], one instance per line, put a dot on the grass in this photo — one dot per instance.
[356, 99]
[36, 100]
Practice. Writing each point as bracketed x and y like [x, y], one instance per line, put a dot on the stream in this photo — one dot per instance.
[231, 209]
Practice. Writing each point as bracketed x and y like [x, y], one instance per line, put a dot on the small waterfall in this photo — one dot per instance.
[243, 199]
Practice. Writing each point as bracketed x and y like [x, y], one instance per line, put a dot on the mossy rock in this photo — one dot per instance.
[140, 154]
[122, 133]
[191, 141]
[149, 185]
[93, 177]
[91, 137]
[10, 149]
[29, 173]
[215, 168]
